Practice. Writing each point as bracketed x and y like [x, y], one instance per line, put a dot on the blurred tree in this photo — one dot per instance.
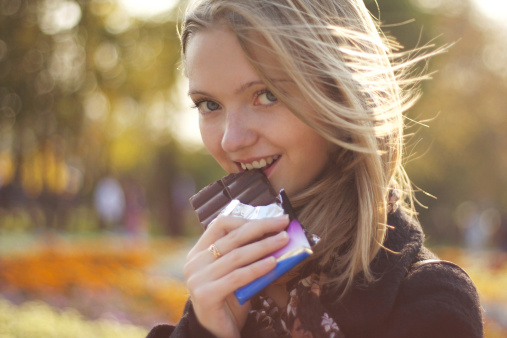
[459, 157]
[84, 90]
[466, 159]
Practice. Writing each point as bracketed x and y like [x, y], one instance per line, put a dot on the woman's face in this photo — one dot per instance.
[243, 125]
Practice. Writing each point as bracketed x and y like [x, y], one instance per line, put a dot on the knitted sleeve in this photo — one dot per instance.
[187, 327]
[436, 300]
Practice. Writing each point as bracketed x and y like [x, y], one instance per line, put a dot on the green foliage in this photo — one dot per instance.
[402, 20]
[36, 319]
[84, 86]
[85, 91]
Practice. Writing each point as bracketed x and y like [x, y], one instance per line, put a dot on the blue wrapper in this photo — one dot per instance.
[282, 266]
[287, 257]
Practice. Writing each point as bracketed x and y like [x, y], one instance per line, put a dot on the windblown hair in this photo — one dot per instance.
[334, 54]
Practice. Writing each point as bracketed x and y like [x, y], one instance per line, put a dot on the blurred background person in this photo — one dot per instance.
[109, 202]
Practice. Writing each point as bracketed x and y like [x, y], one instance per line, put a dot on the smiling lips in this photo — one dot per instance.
[260, 164]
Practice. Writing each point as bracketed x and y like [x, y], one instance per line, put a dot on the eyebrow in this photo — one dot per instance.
[238, 91]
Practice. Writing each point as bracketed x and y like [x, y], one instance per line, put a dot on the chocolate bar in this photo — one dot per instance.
[257, 198]
[251, 187]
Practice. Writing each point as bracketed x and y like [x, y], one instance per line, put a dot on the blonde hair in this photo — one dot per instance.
[341, 64]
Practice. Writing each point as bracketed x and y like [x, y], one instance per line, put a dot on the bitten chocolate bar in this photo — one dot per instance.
[251, 187]
[250, 195]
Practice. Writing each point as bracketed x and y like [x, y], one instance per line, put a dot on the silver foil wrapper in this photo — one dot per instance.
[238, 209]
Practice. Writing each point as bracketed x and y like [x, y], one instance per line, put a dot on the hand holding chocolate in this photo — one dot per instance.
[250, 195]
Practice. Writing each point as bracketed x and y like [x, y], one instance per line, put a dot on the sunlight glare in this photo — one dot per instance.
[493, 9]
[147, 8]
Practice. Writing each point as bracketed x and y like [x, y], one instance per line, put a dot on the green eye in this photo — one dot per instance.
[266, 97]
[271, 97]
[206, 106]
[212, 105]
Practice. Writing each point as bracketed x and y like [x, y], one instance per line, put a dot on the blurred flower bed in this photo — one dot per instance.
[37, 319]
[107, 287]
[114, 280]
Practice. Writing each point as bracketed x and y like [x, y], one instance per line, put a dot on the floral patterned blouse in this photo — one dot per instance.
[303, 316]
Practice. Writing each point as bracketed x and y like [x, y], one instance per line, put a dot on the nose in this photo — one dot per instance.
[239, 131]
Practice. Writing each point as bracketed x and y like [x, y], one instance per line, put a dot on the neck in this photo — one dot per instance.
[278, 293]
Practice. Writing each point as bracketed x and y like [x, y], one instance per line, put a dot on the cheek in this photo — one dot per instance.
[308, 154]
[212, 140]
[310, 144]
[314, 154]
[322, 149]
[208, 137]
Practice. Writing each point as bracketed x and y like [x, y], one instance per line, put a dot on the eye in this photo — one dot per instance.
[206, 106]
[265, 98]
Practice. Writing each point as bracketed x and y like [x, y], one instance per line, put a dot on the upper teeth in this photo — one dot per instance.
[260, 163]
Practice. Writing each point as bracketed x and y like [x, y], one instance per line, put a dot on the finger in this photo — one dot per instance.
[245, 255]
[216, 291]
[249, 232]
[220, 227]
[237, 235]
[204, 267]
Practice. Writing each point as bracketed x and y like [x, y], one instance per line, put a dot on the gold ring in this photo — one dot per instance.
[213, 249]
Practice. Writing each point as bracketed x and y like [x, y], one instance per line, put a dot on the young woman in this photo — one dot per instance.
[310, 92]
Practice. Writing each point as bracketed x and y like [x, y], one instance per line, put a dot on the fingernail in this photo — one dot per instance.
[269, 260]
[283, 235]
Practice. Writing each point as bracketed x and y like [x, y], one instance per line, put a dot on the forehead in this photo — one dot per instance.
[214, 56]
[217, 50]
